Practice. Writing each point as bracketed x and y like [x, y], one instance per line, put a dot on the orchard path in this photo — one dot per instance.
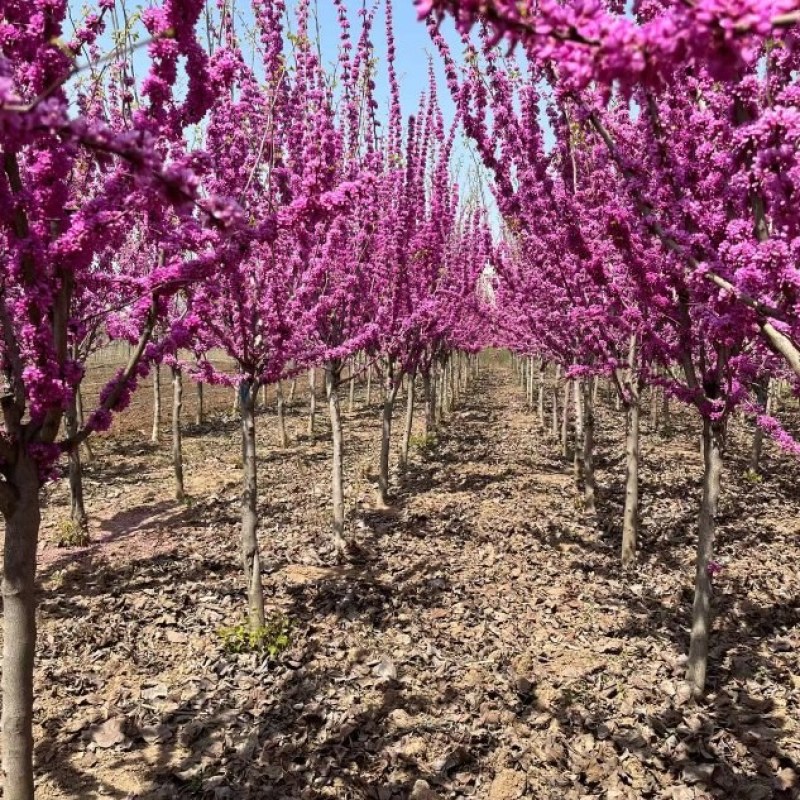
[485, 644]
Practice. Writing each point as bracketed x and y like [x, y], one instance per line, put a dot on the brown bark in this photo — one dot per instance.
[251, 558]
[697, 663]
[762, 394]
[79, 410]
[19, 629]
[200, 416]
[177, 439]
[77, 506]
[589, 484]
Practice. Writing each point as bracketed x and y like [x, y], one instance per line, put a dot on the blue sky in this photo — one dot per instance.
[414, 52]
[413, 45]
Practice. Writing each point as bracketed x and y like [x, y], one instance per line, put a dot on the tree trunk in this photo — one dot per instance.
[630, 513]
[554, 409]
[589, 485]
[292, 391]
[332, 382]
[540, 403]
[701, 609]
[77, 506]
[352, 398]
[653, 409]
[19, 631]
[577, 454]
[200, 416]
[410, 394]
[441, 393]
[392, 385]
[429, 391]
[156, 435]
[762, 393]
[312, 400]
[79, 409]
[236, 408]
[368, 399]
[177, 442]
[284, 439]
[565, 422]
[251, 559]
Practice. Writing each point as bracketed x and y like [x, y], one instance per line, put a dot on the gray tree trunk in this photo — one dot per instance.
[352, 397]
[589, 484]
[697, 664]
[177, 440]
[155, 437]
[292, 391]
[540, 403]
[762, 395]
[392, 385]
[565, 421]
[77, 506]
[429, 390]
[200, 415]
[441, 392]
[79, 409]
[332, 383]
[554, 409]
[19, 630]
[368, 399]
[284, 439]
[409, 421]
[251, 558]
[577, 453]
[630, 513]
[654, 408]
[312, 400]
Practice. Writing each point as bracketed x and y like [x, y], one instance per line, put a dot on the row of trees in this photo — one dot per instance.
[645, 168]
[238, 196]
[235, 199]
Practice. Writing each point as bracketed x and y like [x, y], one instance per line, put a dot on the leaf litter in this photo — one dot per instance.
[485, 643]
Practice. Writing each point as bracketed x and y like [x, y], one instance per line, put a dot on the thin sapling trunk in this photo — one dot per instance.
[155, 437]
[200, 416]
[251, 559]
[78, 514]
[312, 400]
[589, 484]
[332, 383]
[390, 395]
[284, 439]
[409, 420]
[697, 665]
[177, 441]
[630, 513]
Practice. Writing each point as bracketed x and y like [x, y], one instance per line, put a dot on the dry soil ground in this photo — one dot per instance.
[485, 643]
